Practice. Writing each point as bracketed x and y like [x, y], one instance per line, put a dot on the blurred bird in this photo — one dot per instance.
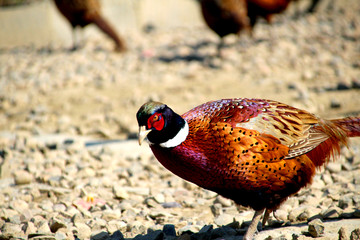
[84, 12]
[265, 9]
[256, 152]
[225, 17]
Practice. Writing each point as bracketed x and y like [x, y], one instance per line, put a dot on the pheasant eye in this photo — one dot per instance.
[156, 121]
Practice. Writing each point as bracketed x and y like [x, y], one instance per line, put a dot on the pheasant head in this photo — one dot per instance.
[161, 125]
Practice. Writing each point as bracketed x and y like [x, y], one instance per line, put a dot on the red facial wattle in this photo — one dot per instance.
[156, 121]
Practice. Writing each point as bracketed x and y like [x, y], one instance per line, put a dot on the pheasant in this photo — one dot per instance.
[265, 9]
[225, 17]
[84, 12]
[256, 152]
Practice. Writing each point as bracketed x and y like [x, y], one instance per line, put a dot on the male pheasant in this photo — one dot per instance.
[256, 152]
[84, 12]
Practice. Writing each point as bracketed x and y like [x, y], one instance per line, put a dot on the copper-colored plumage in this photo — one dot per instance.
[84, 12]
[255, 152]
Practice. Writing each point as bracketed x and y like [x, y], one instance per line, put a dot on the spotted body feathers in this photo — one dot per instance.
[256, 152]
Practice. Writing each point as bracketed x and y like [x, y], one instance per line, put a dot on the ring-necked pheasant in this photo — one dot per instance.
[84, 12]
[256, 152]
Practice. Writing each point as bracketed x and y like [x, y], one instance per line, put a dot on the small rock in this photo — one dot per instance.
[159, 198]
[29, 228]
[110, 214]
[216, 209]
[153, 235]
[136, 227]
[169, 230]
[56, 223]
[224, 219]
[225, 202]
[345, 202]
[102, 235]
[281, 215]
[334, 167]
[223, 231]
[120, 192]
[342, 234]
[316, 228]
[23, 177]
[171, 205]
[43, 228]
[343, 86]
[327, 179]
[83, 231]
[355, 83]
[189, 228]
[11, 231]
[117, 235]
[332, 212]
[296, 212]
[60, 236]
[335, 103]
[206, 228]
[355, 235]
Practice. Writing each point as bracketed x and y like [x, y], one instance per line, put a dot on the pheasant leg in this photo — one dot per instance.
[249, 235]
[266, 217]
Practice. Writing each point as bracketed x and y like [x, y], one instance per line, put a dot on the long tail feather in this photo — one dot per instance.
[337, 136]
[350, 125]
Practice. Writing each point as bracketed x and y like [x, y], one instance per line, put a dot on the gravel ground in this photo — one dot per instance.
[70, 164]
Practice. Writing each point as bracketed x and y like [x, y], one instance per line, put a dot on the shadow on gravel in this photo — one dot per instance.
[228, 232]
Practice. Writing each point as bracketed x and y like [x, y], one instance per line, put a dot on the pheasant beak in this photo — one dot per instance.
[143, 133]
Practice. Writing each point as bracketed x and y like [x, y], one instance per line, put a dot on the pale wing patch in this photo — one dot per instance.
[293, 130]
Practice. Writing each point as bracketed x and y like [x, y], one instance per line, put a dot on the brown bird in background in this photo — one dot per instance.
[225, 17]
[265, 9]
[84, 12]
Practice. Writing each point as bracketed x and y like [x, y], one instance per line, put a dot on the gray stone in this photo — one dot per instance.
[316, 228]
[224, 219]
[333, 212]
[189, 229]
[169, 230]
[102, 235]
[345, 201]
[216, 209]
[223, 231]
[153, 235]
